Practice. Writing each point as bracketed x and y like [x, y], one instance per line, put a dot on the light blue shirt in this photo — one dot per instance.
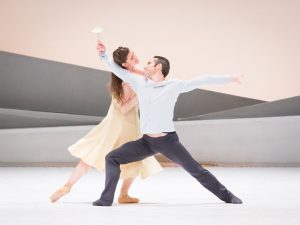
[157, 100]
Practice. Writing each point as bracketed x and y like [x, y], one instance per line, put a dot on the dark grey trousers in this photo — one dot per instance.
[167, 145]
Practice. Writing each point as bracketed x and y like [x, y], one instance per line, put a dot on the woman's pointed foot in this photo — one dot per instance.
[59, 193]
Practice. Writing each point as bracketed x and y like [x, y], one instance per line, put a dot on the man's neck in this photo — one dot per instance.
[157, 78]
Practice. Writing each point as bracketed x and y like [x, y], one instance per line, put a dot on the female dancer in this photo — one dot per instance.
[120, 126]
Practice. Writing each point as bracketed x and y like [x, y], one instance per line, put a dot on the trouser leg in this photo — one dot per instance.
[127, 153]
[175, 151]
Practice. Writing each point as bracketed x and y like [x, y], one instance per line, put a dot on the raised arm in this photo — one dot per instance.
[123, 74]
[138, 71]
[189, 85]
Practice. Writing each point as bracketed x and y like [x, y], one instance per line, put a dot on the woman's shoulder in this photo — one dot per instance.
[126, 89]
[125, 84]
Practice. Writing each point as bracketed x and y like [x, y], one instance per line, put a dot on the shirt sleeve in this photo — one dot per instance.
[123, 74]
[189, 85]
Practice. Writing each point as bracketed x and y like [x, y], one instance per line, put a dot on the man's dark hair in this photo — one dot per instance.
[164, 63]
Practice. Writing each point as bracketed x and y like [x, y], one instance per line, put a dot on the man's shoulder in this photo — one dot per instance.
[173, 81]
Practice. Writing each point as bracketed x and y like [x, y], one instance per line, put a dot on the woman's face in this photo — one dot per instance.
[131, 61]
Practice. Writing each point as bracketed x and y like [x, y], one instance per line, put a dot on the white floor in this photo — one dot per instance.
[271, 196]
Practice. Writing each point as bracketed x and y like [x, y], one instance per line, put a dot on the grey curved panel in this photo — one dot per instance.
[42, 85]
[32, 84]
[284, 107]
[12, 118]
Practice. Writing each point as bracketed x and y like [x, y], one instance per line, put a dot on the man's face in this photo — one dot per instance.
[132, 59]
[151, 67]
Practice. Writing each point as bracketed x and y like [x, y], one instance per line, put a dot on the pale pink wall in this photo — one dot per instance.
[258, 38]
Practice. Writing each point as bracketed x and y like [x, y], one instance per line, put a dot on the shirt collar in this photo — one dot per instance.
[159, 84]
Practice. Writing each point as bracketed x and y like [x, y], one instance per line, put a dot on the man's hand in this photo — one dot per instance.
[101, 48]
[237, 79]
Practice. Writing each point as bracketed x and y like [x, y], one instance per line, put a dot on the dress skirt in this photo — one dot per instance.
[114, 130]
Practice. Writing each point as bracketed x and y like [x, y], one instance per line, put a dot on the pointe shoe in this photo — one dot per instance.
[59, 193]
[127, 199]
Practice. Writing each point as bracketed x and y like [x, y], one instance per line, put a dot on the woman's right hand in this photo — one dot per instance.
[129, 104]
[100, 48]
[135, 100]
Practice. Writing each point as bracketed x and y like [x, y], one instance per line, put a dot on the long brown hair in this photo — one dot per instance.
[115, 85]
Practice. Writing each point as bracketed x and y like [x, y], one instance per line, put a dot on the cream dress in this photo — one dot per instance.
[114, 130]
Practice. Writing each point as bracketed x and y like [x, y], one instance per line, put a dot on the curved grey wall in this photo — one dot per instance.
[32, 84]
[42, 93]
[42, 85]
[284, 107]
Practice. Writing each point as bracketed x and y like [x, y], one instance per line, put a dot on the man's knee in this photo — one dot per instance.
[110, 157]
[196, 170]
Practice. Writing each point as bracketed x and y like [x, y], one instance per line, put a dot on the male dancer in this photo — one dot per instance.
[157, 98]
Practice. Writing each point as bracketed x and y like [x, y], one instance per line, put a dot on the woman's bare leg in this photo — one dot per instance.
[81, 169]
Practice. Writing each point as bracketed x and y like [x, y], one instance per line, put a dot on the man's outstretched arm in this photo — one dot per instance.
[189, 85]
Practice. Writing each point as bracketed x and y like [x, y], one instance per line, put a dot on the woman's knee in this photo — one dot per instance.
[84, 167]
